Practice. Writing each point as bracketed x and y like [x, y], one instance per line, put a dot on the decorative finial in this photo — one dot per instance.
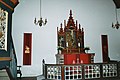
[82, 29]
[61, 25]
[64, 23]
[61, 29]
[76, 23]
[70, 12]
[79, 26]
[43, 61]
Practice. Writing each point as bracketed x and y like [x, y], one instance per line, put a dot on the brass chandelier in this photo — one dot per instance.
[40, 21]
[116, 25]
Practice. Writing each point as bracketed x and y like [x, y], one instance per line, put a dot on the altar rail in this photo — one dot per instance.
[82, 71]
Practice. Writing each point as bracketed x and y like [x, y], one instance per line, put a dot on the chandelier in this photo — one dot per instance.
[116, 25]
[40, 21]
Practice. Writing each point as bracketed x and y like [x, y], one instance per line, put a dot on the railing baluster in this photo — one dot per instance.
[118, 69]
[62, 73]
[101, 71]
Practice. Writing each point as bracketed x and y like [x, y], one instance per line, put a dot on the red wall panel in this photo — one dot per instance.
[104, 48]
[27, 48]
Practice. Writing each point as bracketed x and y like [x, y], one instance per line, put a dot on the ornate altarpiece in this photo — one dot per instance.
[71, 43]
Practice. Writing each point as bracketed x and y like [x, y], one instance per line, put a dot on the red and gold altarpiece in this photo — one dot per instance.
[71, 48]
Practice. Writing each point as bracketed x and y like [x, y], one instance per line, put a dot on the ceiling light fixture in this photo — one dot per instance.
[116, 25]
[40, 22]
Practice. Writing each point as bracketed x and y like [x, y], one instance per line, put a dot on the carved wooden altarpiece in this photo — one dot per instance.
[70, 42]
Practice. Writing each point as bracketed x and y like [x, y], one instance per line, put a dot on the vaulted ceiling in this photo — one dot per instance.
[117, 3]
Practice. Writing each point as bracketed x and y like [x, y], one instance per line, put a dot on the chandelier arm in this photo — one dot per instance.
[116, 14]
[35, 22]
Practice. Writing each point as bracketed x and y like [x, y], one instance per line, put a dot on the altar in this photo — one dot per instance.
[81, 58]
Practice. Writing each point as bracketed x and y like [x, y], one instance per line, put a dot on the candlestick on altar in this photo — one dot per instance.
[67, 46]
[79, 47]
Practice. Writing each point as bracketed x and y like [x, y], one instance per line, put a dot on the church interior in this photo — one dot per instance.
[59, 40]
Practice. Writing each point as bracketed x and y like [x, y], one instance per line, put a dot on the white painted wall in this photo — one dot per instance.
[95, 16]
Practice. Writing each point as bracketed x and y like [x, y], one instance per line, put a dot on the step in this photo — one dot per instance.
[3, 75]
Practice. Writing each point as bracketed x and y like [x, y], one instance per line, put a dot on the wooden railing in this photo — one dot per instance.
[82, 71]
